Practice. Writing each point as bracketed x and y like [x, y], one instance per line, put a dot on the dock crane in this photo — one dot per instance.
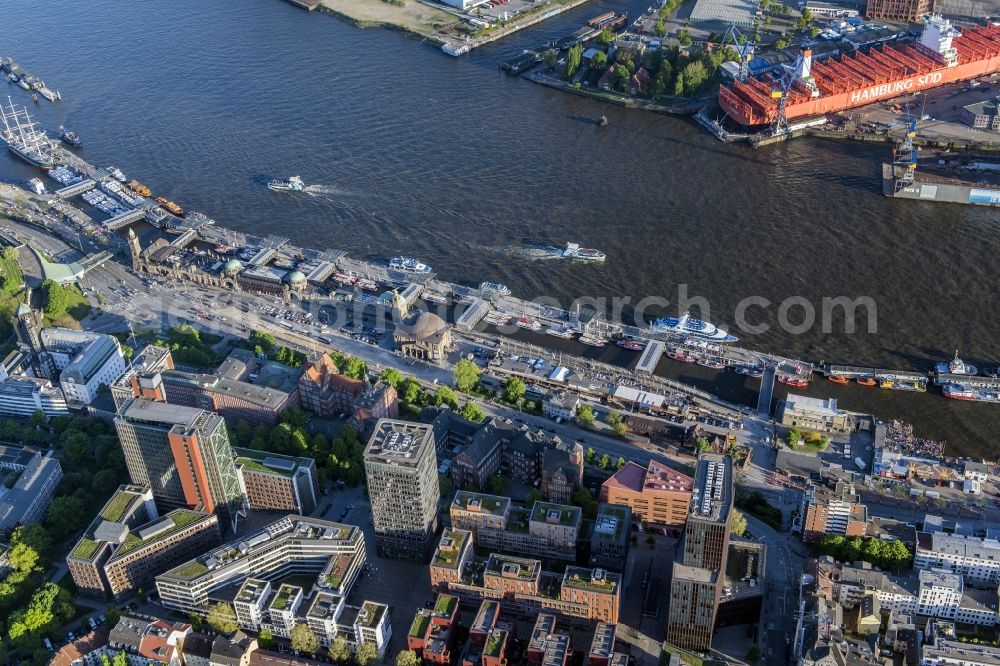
[783, 86]
[905, 155]
[744, 47]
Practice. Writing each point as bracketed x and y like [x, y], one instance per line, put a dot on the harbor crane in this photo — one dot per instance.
[905, 155]
[744, 47]
[783, 85]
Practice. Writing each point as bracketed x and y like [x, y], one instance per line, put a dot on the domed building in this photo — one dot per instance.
[423, 335]
[232, 267]
[295, 278]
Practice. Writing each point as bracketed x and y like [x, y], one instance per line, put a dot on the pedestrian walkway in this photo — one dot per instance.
[766, 392]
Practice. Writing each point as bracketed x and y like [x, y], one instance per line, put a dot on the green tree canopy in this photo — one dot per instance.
[514, 390]
[573, 58]
[466, 375]
[222, 618]
[407, 658]
[585, 416]
[303, 639]
[472, 412]
[355, 368]
[737, 523]
[391, 376]
[366, 653]
[339, 650]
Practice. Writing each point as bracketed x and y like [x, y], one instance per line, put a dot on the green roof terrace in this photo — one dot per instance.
[494, 644]
[371, 614]
[507, 566]
[421, 620]
[173, 522]
[558, 514]
[481, 503]
[449, 549]
[445, 605]
[116, 507]
[85, 549]
[284, 597]
[596, 580]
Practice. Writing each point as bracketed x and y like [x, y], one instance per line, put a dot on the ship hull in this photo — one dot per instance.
[750, 105]
[41, 163]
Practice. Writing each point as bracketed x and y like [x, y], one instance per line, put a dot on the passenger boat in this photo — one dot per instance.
[344, 278]
[560, 332]
[716, 364]
[574, 251]
[955, 366]
[866, 381]
[115, 173]
[631, 345]
[528, 323]
[366, 284]
[170, 206]
[680, 356]
[839, 379]
[750, 370]
[593, 340]
[139, 188]
[968, 392]
[70, 138]
[688, 325]
[293, 184]
[797, 382]
[493, 289]
[408, 265]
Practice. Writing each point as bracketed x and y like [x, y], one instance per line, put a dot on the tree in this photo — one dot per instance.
[10, 253]
[662, 78]
[737, 523]
[56, 300]
[621, 75]
[77, 446]
[753, 654]
[551, 57]
[814, 31]
[794, 437]
[222, 618]
[466, 375]
[303, 639]
[585, 416]
[339, 650]
[702, 444]
[533, 496]
[514, 390]
[684, 37]
[445, 486]
[445, 396]
[661, 28]
[599, 61]
[590, 455]
[472, 412]
[366, 653]
[265, 341]
[617, 423]
[695, 74]
[781, 43]
[679, 84]
[66, 514]
[619, 463]
[604, 462]
[583, 499]
[121, 659]
[355, 368]
[498, 484]
[391, 376]
[409, 390]
[605, 37]
[573, 58]
[407, 658]
[265, 638]
[23, 558]
[112, 615]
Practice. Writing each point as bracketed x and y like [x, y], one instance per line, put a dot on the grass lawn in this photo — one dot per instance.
[412, 15]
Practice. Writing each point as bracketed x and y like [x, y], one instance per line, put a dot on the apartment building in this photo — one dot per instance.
[146, 641]
[401, 469]
[655, 493]
[432, 633]
[473, 511]
[275, 482]
[832, 507]
[976, 559]
[453, 553]
[611, 537]
[128, 544]
[334, 552]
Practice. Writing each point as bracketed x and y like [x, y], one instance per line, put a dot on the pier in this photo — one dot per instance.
[766, 391]
[118, 221]
[71, 191]
[651, 356]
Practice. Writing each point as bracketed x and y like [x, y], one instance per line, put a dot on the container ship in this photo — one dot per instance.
[942, 55]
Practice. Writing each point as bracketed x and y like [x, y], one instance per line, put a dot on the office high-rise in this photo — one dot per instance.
[699, 570]
[401, 468]
[182, 454]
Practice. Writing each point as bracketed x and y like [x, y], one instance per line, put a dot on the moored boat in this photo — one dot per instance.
[688, 325]
[24, 139]
[560, 332]
[408, 265]
[866, 381]
[797, 382]
[170, 206]
[955, 366]
[631, 345]
[528, 323]
[593, 340]
[714, 363]
[69, 138]
[139, 188]
[839, 379]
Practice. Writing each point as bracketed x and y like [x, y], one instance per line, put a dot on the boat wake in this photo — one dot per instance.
[321, 190]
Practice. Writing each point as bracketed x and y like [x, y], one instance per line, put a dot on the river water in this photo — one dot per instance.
[414, 152]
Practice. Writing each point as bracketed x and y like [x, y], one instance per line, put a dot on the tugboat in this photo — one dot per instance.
[838, 379]
[866, 381]
[797, 382]
[293, 184]
[69, 138]
[955, 366]
[603, 122]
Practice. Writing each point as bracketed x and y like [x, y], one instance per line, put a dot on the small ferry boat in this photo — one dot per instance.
[408, 265]
[839, 379]
[170, 206]
[574, 251]
[293, 184]
[560, 332]
[139, 188]
[866, 381]
[528, 323]
[494, 289]
[797, 382]
[714, 363]
[593, 340]
[69, 138]
[631, 345]
[955, 366]
[688, 325]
